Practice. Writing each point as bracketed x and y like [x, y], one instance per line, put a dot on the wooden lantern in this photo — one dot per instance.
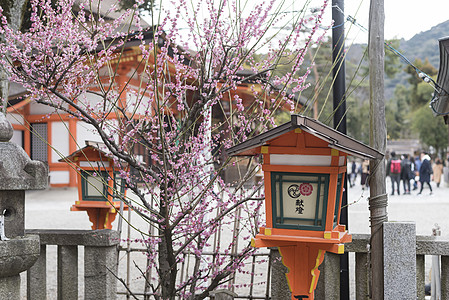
[304, 165]
[100, 186]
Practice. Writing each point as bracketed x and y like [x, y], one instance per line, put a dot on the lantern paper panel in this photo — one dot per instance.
[300, 200]
[93, 185]
[119, 187]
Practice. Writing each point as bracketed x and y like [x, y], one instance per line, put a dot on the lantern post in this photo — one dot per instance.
[304, 166]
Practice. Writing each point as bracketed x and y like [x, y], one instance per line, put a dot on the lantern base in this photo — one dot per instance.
[302, 256]
[101, 218]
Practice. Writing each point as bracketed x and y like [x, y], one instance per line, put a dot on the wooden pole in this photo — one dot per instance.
[378, 139]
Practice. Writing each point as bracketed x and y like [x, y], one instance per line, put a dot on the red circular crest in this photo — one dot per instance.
[306, 189]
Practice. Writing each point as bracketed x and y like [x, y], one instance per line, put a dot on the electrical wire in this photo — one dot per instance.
[420, 73]
[425, 77]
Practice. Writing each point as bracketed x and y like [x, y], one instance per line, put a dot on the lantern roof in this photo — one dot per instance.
[91, 147]
[334, 138]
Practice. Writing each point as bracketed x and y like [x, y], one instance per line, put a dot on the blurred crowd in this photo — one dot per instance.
[407, 172]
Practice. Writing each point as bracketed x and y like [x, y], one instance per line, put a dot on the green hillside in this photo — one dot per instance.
[425, 44]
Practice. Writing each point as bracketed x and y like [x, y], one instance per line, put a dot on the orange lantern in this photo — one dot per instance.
[304, 166]
[100, 186]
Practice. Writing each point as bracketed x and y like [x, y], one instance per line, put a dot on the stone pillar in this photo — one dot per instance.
[399, 260]
[444, 277]
[17, 174]
[279, 285]
[36, 281]
[328, 286]
[361, 276]
[67, 272]
[420, 277]
[100, 265]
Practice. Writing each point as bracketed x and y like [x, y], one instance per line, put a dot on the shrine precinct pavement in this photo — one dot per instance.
[50, 209]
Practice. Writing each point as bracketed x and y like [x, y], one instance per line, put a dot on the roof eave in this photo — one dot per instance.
[335, 139]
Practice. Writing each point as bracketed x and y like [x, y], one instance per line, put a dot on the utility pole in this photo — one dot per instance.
[339, 102]
[378, 139]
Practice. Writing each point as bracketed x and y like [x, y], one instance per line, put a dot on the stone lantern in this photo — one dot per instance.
[18, 173]
[304, 166]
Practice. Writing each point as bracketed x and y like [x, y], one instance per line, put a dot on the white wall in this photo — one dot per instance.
[15, 118]
[142, 103]
[17, 138]
[41, 109]
[85, 132]
[59, 140]
[90, 99]
[59, 177]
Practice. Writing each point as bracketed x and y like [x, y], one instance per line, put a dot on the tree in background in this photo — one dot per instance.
[408, 114]
[70, 61]
[317, 99]
[392, 61]
[421, 92]
[358, 92]
[397, 114]
[432, 130]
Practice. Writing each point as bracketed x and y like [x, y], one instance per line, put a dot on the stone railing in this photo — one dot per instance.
[425, 246]
[100, 263]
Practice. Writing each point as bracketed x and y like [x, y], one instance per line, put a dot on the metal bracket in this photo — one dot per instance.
[2, 228]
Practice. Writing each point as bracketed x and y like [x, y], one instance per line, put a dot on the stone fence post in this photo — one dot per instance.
[100, 265]
[279, 285]
[399, 260]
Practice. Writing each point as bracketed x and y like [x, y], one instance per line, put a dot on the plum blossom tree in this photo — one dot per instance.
[195, 91]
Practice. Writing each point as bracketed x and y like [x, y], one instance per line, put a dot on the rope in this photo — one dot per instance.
[379, 201]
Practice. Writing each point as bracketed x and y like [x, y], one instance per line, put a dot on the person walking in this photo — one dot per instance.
[417, 166]
[406, 173]
[394, 171]
[365, 173]
[424, 172]
[437, 171]
[414, 173]
[353, 175]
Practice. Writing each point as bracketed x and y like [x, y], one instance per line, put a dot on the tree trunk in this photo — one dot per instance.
[167, 261]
